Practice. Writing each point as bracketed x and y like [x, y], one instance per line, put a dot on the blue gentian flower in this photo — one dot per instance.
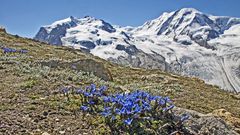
[107, 108]
[91, 102]
[167, 99]
[123, 110]
[6, 50]
[93, 88]
[65, 90]
[87, 94]
[168, 108]
[84, 108]
[79, 91]
[184, 117]
[117, 111]
[137, 109]
[105, 114]
[23, 51]
[162, 102]
[129, 111]
[128, 121]
[113, 118]
[151, 98]
[97, 93]
[106, 99]
[103, 88]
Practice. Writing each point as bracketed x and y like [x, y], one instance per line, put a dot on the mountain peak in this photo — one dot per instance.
[189, 23]
[186, 13]
[69, 20]
[193, 10]
[89, 17]
[72, 18]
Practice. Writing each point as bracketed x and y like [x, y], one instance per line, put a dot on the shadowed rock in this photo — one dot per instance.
[2, 29]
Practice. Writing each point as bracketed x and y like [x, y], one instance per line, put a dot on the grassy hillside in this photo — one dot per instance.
[31, 100]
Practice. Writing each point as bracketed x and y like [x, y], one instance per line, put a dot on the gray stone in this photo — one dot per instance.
[97, 68]
[203, 124]
[86, 65]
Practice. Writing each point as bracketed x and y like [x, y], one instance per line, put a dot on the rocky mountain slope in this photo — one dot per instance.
[186, 42]
[32, 101]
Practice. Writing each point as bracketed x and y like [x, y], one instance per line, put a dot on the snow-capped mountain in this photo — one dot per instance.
[186, 42]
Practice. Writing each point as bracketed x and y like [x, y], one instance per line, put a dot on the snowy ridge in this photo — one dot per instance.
[185, 41]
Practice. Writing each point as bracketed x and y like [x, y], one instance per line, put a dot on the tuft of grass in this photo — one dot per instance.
[29, 84]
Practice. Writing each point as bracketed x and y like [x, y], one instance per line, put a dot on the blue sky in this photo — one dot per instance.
[25, 17]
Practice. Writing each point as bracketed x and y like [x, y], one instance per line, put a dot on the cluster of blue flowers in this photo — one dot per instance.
[11, 50]
[91, 96]
[126, 107]
[133, 105]
[129, 112]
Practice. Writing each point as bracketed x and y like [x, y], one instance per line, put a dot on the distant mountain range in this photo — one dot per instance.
[186, 42]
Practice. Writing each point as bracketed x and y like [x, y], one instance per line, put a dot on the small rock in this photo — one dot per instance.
[199, 123]
[57, 120]
[236, 96]
[143, 78]
[45, 113]
[2, 29]
[122, 89]
[45, 133]
[36, 120]
[70, 78]
[61, 132]
[228, 117]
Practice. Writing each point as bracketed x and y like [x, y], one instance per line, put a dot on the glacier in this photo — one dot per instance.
[186, 42]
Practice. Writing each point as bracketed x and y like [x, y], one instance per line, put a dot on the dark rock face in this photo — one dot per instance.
[55, 35]
[41, 35]
[103, 42]
[85, 43]
[55, 39]
[225, 23]
[131, 50]
[238, 71]
[203, 43]
[107, 27]
[2, 29]
[120, 47]
[126, 35]
[185, 43]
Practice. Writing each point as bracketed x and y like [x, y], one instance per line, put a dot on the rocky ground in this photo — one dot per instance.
[31, 101]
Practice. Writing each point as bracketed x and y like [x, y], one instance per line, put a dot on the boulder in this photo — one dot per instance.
[205, 124]
[228, 117]
[86, 65]
[2, 29]
[97, 68]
